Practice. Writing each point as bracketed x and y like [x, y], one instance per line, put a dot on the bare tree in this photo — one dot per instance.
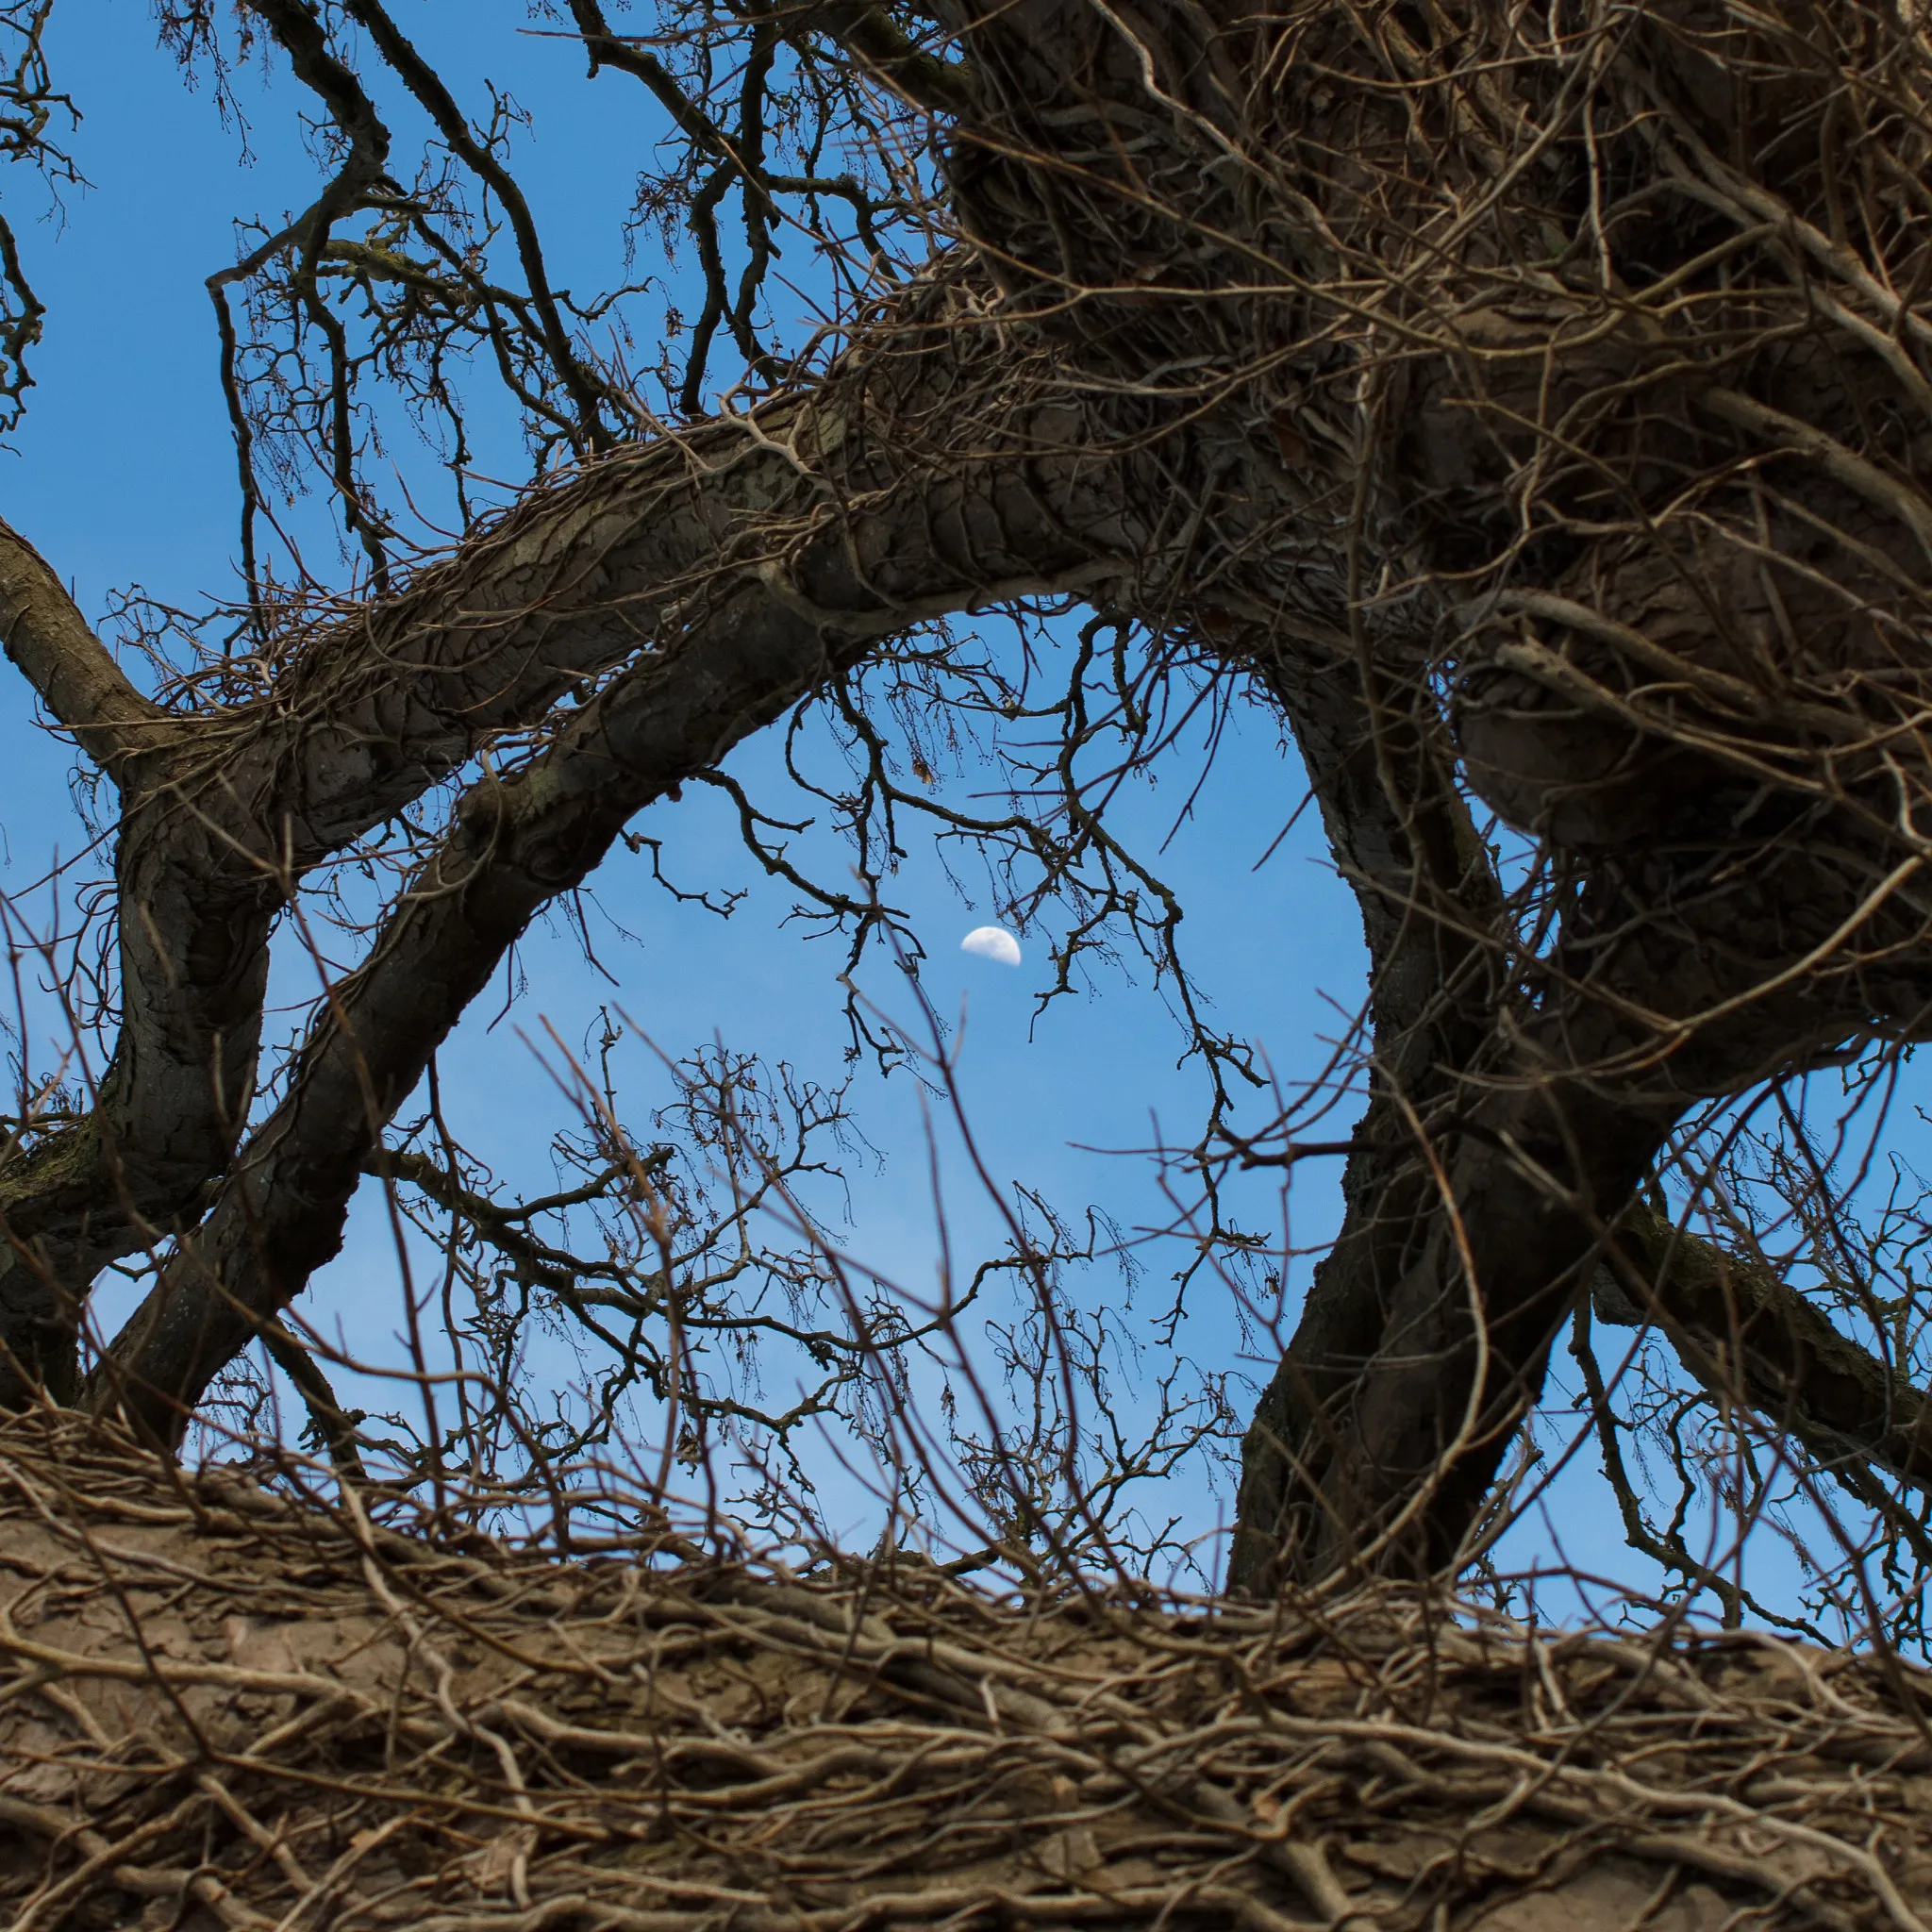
[1529, 406]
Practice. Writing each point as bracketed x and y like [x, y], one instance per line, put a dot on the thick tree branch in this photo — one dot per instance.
[1431, 910]
[513, 848]
[940, 87]
[73, 674]
[1504, 1131]
[940, 466]
[1744, 1332]
[743, 644]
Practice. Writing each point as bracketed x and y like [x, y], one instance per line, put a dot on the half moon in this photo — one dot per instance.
[992, 942]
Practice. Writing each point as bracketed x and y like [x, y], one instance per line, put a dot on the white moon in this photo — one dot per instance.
[992, 942]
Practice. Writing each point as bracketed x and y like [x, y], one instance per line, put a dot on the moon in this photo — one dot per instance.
[992, 942]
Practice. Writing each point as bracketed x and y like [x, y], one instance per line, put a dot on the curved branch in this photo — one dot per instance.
[73, 674]
[937, 466]
[1431, 909]
[933, 468]
[513, 847]
[741, 635]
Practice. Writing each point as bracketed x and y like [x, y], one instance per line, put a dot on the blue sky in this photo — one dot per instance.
[123, 474]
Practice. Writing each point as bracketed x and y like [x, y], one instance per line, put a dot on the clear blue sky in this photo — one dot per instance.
[123, 474]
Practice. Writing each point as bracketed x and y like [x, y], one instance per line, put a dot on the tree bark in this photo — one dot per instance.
[1431, 910]
[1748, 1335]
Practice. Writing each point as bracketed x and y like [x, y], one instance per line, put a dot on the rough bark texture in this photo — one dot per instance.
[240, 1711]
